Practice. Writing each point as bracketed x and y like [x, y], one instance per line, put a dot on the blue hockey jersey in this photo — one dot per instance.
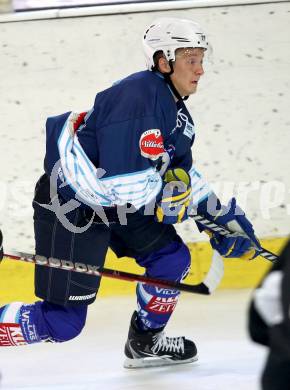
[117, 152]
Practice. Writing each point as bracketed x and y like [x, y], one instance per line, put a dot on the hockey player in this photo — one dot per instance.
[269, 322]
[120, 176]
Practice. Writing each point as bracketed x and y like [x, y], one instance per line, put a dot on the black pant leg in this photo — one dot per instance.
[53, 239]
[141, 236]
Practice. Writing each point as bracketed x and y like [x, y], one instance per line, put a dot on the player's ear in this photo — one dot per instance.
[163, 65]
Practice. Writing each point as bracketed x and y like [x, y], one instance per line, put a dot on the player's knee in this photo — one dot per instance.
[67, 332]
[171, 262]
[179, 262]
[63, 323]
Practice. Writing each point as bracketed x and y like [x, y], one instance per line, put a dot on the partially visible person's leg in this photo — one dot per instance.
[155, 304]
[22, 324]
[158, 249]
[269, 322]
[276, 374]
[62, 314]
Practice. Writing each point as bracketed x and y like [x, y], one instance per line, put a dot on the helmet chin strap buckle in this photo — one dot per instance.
[168, 80]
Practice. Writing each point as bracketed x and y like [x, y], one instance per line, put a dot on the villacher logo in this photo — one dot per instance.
[151, 144]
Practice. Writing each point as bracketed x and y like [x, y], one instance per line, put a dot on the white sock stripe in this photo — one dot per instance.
[144, 294]
[3, 314]
[11, 313]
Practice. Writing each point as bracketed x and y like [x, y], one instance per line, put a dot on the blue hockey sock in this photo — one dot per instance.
[156, 304]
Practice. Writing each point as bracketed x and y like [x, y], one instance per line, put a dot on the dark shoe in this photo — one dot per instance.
[152, 348]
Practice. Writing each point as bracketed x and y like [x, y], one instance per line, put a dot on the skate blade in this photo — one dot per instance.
[148, 362]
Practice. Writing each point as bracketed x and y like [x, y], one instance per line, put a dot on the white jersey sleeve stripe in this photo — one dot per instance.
[81, 180]
[84, 178]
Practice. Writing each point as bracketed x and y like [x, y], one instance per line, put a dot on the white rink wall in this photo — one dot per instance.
[241, 110]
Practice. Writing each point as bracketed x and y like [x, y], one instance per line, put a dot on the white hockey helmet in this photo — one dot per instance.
[169, 34]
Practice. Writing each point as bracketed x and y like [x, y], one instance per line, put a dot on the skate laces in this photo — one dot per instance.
[167, 344]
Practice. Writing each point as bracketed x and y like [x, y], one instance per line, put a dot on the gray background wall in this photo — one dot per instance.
[241, 109]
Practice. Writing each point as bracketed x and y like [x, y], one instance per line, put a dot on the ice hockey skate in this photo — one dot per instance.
[154, 349]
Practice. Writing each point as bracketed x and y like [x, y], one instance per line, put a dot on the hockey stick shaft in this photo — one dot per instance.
[225, 232]
[209, 284]
[110, 273]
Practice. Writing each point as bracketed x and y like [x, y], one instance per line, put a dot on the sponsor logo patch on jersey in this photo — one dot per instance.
[151, 144]
[189, 130]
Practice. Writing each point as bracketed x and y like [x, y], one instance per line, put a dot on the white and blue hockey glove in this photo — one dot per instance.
[1, 246]
[173, 205]
[244, 244]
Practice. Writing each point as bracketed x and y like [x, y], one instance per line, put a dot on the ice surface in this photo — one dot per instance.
[228, 360]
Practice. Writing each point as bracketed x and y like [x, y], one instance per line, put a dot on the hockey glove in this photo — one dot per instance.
[172, 208]
[1, 246]
[244, 243]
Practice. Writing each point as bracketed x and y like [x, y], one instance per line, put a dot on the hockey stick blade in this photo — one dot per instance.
[225, 232]
[210, 283]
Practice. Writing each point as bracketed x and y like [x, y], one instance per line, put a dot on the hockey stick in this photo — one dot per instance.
[208, 285]
[225, 232]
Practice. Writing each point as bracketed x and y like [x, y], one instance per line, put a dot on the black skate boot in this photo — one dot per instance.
[153, 348]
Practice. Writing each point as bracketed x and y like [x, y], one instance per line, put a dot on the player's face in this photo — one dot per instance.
[188, 68]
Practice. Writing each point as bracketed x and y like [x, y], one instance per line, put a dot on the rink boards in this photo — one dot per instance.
[17, 277]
